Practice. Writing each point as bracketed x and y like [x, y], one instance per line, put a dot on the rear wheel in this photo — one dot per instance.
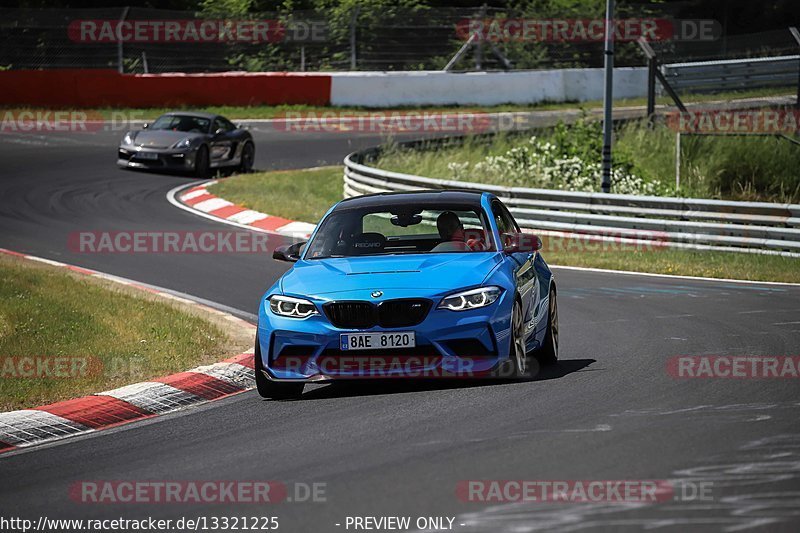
[274, 389]
[202, 165]
[548, 353]
[248, 156]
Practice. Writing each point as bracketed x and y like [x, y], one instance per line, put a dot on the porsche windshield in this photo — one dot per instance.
[184, 123]
[380, 231]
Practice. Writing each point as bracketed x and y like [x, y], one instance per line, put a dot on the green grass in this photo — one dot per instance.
[294, 194]
[120, 336]
[663, 260]
[277, 111]
[306, 194]
[755, 168]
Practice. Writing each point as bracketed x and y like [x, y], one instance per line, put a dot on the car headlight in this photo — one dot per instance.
[472, 299]
[128, 139]
[291, 307]
[183, 143]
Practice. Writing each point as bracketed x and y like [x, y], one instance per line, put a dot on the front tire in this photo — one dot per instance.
[202, 164]
[248, 156]
[520, 363]
[548, 353]
[275, 390]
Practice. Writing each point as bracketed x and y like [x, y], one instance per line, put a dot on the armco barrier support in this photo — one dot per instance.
[100, 87]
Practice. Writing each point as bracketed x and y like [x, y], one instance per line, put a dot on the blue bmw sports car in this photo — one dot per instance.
[413, 285]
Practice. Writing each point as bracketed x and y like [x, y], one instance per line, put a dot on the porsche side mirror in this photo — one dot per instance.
[145, 126]
[521, 242]
[219, 132]
[288, 252]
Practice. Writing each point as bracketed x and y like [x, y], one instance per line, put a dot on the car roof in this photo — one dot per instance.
[452, 196]
[198, 114]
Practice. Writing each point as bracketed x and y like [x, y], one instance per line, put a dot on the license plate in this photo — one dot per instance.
[147, 155]
[377, 341]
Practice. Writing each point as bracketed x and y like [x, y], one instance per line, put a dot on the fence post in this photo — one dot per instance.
[796, 35]
[122, 18]
[652, 65]
[678, 161]
[608, 97]
[353, 21]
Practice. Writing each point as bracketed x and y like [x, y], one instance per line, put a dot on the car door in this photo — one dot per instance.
[523, 265]
[222, 141]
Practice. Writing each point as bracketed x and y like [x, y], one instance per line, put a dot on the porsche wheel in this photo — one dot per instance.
[248, 156]
[202, 165]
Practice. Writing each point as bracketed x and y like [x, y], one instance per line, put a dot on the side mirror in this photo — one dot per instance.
[219, 132]
[521, 242]
[288, 252]
[145, 126]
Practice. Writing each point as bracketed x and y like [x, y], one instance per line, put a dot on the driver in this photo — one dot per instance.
[451, 231]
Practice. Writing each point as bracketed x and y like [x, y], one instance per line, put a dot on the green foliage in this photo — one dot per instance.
[568, 157]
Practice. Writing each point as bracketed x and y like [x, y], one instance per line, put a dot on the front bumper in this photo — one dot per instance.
[165, 159]
[449, 344]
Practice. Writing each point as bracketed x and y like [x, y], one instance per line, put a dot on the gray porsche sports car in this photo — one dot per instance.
[188, 142]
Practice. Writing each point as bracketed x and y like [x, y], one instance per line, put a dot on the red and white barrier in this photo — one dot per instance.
[66, 88]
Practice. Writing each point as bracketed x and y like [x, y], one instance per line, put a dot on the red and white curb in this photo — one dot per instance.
[200, 201]
[28, 427]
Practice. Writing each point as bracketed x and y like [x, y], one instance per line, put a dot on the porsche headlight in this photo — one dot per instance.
[291, 307]
[183, 143]
[128, 139]
[472, 299]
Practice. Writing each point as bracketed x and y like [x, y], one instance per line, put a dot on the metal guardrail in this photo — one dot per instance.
[714, 76]
[755, 227]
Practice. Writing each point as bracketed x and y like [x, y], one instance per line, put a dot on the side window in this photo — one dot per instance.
[222, 124]
[505, 222]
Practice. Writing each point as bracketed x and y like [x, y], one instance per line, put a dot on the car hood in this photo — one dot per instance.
[161, 138]
[432, 273]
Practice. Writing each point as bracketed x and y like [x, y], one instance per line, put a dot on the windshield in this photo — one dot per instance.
[407, 230]
[185, 123]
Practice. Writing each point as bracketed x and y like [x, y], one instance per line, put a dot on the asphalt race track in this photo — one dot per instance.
[608, 411]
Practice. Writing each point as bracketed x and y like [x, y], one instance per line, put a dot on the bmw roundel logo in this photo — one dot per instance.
[377, 294]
